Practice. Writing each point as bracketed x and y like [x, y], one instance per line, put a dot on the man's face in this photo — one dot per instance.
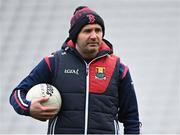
[89, 40]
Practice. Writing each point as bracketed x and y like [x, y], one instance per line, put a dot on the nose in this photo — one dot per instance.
[93, 35]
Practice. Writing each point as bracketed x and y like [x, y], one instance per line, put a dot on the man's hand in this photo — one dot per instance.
[40, 112]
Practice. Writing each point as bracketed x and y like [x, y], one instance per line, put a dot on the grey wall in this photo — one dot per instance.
[145, 34]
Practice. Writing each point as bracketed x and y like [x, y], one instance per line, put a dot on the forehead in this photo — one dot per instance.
[92, 26]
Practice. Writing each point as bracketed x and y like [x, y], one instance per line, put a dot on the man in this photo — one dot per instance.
[95, 86]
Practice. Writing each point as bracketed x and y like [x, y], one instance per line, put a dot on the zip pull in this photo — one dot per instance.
[87, 69]
[87, 64]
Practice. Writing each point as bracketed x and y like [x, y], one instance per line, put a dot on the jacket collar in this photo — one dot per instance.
[106, 46]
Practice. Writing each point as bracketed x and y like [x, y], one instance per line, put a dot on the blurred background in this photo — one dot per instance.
[145, 34]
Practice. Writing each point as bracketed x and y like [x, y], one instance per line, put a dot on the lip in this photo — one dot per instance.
[93, 44]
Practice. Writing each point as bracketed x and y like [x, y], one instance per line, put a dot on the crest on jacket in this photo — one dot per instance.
[100, 73]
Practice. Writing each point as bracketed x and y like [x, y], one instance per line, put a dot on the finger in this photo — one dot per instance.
[50, 109]
[42, 119]
[46, 115]
[43, 99]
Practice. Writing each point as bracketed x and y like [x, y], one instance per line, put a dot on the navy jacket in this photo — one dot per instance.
[96, 94]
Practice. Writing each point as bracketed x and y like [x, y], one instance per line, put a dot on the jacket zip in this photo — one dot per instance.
[87, 99]
[87, 92]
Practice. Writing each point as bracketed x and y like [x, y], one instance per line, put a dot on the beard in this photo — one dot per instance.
[92, 48]
[89, 49]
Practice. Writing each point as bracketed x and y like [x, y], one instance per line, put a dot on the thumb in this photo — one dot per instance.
[43, 99]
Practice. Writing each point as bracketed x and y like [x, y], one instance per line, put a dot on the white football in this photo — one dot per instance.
[45, 90]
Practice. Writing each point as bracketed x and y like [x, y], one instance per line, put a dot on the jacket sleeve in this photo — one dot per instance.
[128, 108]
[42, 73]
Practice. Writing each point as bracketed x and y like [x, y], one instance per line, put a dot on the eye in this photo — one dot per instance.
[98, 30]
[87, 31]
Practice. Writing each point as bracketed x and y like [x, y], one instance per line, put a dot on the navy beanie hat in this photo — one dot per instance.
[81, 17]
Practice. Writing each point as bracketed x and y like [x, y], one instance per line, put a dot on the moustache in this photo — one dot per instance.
[93, 43]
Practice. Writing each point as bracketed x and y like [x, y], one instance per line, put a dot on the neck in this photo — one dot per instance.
[87, 55]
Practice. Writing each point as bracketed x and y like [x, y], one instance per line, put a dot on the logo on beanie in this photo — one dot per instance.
[91, 18]
[100, 73]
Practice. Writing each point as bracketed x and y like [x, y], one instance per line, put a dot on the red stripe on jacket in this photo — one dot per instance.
[17, 101]
[48, 62]
[107, 64]
[125, 70]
